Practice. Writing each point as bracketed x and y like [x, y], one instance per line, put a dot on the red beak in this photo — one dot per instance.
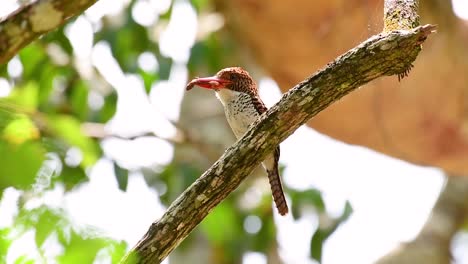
[214, 83]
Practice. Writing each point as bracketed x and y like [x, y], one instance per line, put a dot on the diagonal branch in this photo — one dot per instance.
[34, 19]
[385, 54]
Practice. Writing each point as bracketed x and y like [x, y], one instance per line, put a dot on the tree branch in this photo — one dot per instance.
[400, 14]
[385, 54]
[34, 19]
[432, 245]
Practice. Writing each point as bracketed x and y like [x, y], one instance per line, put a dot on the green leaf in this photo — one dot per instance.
[72, 176]
[118, 251]
[199, 4]
[20, 130]
[208, 54]
[109, 108]
[220, 226]
[316, 244]
[58, 36]
[7, 113]
[5, 242]
[82, 249]
[314, 196]
[322, 234]
[148, 79]
[177, 176]
[48, 222]
[47, 73]
[32, 57]
[24, 260]
[20, 163]
[26, 96]
[127, 42]
[121, 175]
[310, 197]
[79, 99]
[69, 129]
[266, 237]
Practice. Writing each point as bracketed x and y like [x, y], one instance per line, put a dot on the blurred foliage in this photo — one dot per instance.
[52, 226]
[43, 118]
[325, 230]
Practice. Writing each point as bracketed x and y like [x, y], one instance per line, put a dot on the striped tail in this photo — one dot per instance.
[277, 190]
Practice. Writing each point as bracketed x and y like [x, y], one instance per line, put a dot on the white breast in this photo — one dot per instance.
[240, 112]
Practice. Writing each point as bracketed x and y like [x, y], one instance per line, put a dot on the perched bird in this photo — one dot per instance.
[238, 93]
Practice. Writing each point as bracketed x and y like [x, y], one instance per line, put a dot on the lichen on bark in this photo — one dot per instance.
[400, 14]
[32, 20]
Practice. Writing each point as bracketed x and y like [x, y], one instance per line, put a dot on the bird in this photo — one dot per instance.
[238, 93]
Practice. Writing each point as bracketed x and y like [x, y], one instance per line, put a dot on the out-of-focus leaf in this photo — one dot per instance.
[322, 234]
[20, 130]
[209, 54]
[109, 108]
[69, 129]
[71, 176]
[82, 249]
[117, 251]
[47, 223]
[148, 79]
[32, 57]
[7, 113]
[166, 16]
[5, 243]
[177, 177]
[26, 96]
[127, 42]
[165, 65]
[46, 81]
[220, 225]
[58, 36]
[78, 246]
[310, 197]
[316, 244]
[266, 237]
[19, 164]
[38, 67]
[199, 4]
[24, 260]
[79, 99]
[314, 197]
[121, 175]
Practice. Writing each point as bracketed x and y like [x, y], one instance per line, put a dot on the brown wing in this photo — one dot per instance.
[259, 105]
[261, 108]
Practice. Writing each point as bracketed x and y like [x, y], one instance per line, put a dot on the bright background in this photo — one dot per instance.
[386, 211]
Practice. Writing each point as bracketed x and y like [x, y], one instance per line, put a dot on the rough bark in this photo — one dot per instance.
[400, 14]
[422, 119]
[432, 245]
[385, 54]
[34, 19]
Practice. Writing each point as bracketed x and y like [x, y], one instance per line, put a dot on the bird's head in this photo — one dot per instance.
[235, 79]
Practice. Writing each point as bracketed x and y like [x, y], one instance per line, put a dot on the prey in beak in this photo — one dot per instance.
[213, 83]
